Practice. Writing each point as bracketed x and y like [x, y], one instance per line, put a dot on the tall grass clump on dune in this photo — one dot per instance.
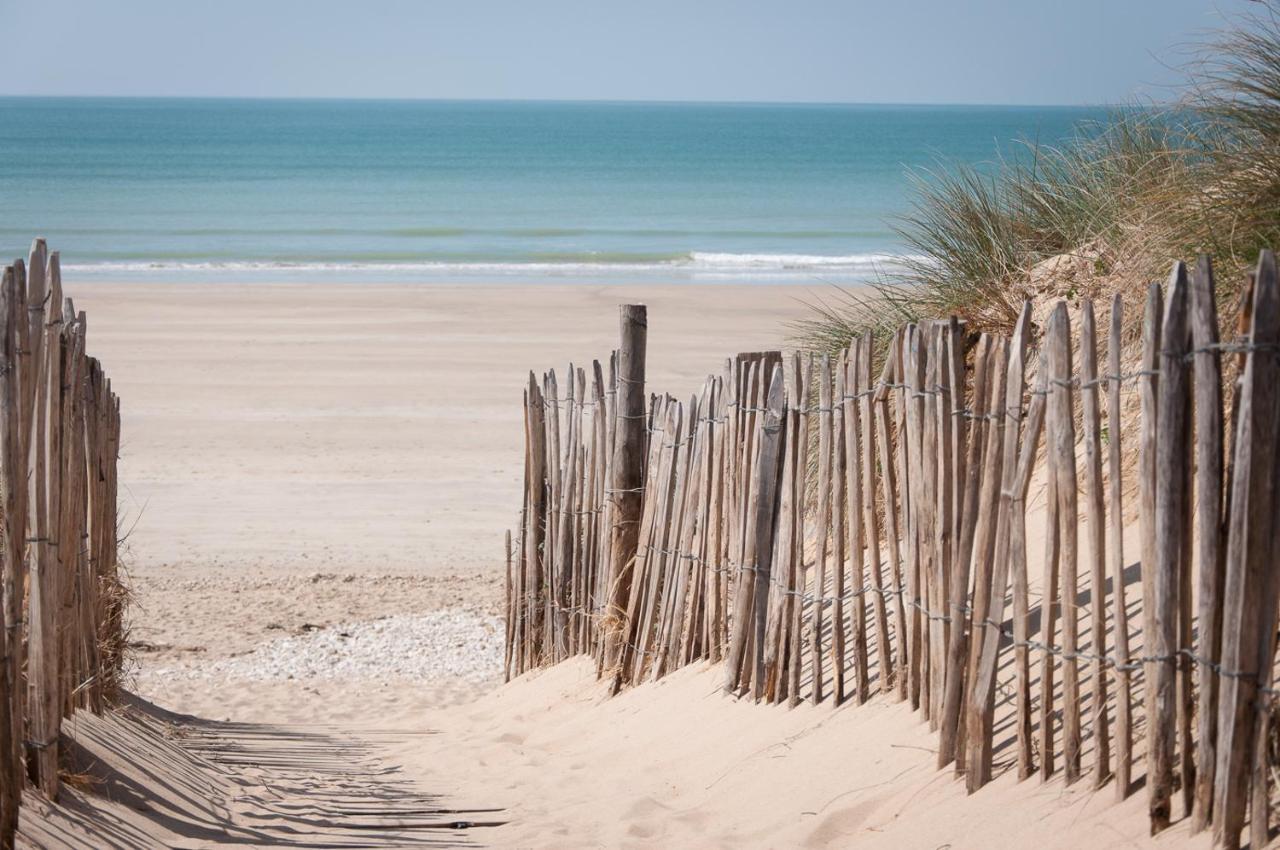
[1106, 212]
[1237, 87]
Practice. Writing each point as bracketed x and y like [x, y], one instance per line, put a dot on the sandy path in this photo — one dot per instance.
[300, 458]
[158, 780]
[315, 459]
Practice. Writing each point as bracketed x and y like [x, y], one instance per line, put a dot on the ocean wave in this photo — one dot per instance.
[868, 262]
[696, 262]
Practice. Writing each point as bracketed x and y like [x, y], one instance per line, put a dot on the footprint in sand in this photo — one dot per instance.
[646, 818]
[837, 827]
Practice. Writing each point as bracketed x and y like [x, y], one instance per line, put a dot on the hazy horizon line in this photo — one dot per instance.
[561, 100]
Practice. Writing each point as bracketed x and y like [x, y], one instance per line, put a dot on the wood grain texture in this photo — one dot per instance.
[1172, 476]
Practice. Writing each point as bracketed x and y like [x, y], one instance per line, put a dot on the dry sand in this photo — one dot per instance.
[347, 428]
[303, 461]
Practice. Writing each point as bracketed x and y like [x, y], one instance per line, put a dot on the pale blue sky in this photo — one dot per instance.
[898, 51]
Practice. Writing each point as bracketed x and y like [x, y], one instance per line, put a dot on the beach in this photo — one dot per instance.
[316, 480]
[297, 457]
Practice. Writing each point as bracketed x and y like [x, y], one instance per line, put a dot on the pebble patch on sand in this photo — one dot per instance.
[438, 646]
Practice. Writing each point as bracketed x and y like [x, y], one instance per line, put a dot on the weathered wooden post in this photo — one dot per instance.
[1172, 478]
[957, 645]
[768, 482]
[1149, 389]
[1124, 695]
[996, 533]
[10, 704]
[44, 708]
[1209, 525]
[817, 612]
[625, 493]
[1091, 421]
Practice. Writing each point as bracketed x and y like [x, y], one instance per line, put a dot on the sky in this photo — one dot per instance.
[859, 51]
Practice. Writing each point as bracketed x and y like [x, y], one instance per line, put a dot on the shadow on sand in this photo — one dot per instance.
[142, 777]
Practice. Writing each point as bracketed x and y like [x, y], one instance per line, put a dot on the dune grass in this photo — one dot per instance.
[1106, 212]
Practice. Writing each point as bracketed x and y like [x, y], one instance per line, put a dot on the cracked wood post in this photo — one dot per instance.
[910, 380]
[870, 526]
[785, 545]
[1209, 527]
[1095, 501]
[1016, 522]
[804, 380]
[1061, 444]
[1172, 476]
[535, 524]
[889, 488]
[844, 476]
[1124, 695]
[1149, 387]
[10, 776]
[1050, 605]
[990, 574]
[844, 498]
[929, 562]
[44, 709]
[958, 646]
[23, 403]
[628, 467]
[817, 616]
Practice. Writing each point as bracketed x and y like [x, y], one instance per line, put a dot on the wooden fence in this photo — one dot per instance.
[828, 529]
[61, 630]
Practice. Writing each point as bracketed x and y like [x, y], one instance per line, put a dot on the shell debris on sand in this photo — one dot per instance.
[439, 646]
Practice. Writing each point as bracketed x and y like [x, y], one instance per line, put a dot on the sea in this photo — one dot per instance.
[485, 191]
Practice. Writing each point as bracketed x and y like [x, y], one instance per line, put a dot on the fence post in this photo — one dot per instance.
[772, 444]
[1149, 387]
[42, 664]
[1061, 445]
[10, 609]
[804, 380]
[931, 561]
[949, 745]
[1091, 421]
[788, 567]
[816, 614]
[627, 474]
[1250, 589]
[535, 524]
[750, 603]
[1007, 380]
[844, 503]
[1124, 696]
[1208, 448]
[892, 526]
[913, 410]
[946, 346]
[1172, 478]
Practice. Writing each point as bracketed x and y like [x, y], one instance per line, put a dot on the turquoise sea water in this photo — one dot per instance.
[370, 190]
